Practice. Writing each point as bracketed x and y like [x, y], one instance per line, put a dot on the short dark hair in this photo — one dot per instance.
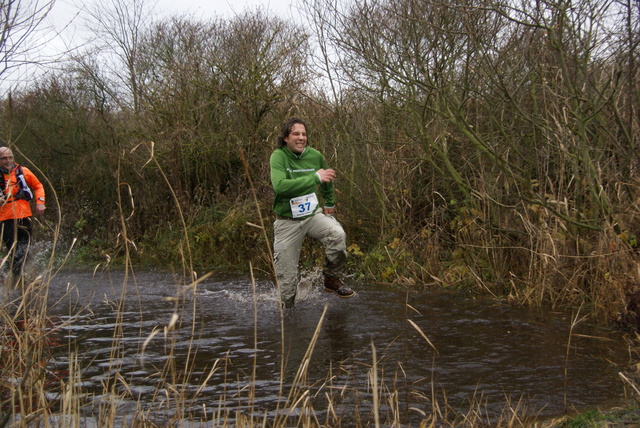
[286, 128]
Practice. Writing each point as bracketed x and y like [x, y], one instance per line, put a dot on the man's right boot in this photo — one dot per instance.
[333, 283]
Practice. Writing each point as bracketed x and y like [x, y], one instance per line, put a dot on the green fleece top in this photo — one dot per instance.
[295, 175]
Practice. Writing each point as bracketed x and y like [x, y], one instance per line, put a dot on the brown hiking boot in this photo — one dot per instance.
[332, 283]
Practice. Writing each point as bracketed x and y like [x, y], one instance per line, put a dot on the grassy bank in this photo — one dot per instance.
[618, 417]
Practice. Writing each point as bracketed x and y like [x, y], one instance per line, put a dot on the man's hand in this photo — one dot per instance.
[326, 175]
[40, 209]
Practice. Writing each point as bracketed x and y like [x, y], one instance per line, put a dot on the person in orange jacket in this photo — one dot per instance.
[19, 186]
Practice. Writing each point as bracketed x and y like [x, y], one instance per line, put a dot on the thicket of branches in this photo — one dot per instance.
[485, 144]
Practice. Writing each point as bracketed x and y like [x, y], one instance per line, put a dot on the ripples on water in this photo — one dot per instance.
[486, 350]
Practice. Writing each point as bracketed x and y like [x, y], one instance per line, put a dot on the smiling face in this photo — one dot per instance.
[6, 158]
[297, 138]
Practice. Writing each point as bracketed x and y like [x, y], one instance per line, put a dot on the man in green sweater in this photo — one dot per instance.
[297, 172]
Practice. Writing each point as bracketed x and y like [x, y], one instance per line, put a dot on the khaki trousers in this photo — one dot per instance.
[288, 238]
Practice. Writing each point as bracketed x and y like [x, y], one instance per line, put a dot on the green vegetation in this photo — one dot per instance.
[486, 146]
[490, 146]
[614, 418]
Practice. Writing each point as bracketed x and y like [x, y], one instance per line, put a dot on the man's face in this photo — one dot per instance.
[6, 159]
[297, 138]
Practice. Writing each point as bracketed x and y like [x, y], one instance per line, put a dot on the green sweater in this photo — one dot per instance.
[295, 175]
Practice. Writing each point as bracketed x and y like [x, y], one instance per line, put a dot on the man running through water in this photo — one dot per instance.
[297, 172]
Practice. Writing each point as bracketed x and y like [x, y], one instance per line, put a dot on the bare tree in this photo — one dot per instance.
[118, 26]
[261, 62]
[21, 20]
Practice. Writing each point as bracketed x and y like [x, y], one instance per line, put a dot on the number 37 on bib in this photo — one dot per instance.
[303, 205]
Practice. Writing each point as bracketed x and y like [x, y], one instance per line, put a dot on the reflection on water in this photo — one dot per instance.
[227, 334]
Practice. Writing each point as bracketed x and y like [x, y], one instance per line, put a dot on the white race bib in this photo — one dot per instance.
[303, 205]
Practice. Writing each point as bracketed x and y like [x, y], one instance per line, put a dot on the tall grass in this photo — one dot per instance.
[498, 154]
[33, 394]
[35, 391]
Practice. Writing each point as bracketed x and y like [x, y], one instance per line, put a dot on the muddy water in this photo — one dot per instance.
[480, 349]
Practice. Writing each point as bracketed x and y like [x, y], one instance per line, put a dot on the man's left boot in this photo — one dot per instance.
[334, 284]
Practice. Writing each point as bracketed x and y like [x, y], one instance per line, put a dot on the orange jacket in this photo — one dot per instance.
[19, 208]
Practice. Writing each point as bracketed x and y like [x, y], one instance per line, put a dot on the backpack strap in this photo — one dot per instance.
[24, 192]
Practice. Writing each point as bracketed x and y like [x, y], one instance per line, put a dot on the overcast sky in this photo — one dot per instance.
[209, 8]
[64, 19]
[63, 10]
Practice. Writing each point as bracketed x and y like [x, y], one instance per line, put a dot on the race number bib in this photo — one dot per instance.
[303, 205]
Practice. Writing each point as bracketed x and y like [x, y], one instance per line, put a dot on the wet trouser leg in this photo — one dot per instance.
[288, 238]
[327, 230]
[18, 232]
